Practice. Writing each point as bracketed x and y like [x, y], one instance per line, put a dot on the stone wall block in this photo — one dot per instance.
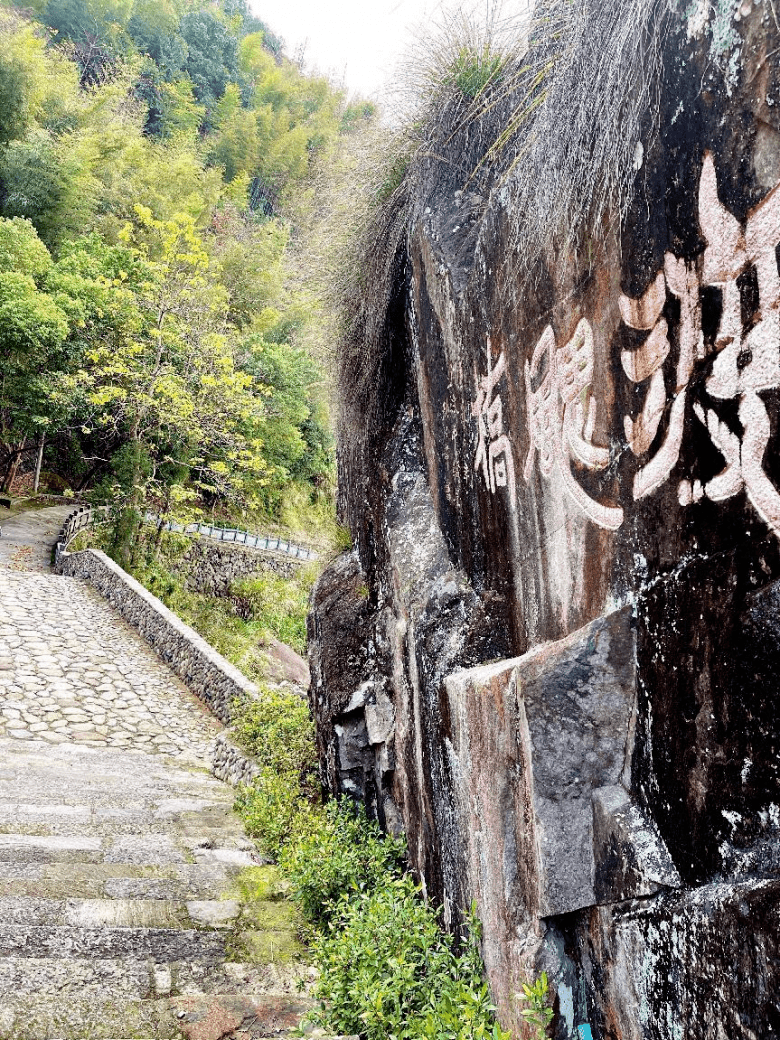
[537, 748]
[206, 672]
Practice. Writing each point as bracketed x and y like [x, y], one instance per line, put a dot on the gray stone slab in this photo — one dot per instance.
[213, 913]
[158, 944]
[49, 848]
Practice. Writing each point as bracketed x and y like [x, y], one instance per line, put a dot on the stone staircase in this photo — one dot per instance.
[123, 903]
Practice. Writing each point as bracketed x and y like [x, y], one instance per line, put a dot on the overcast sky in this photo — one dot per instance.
[356, 41]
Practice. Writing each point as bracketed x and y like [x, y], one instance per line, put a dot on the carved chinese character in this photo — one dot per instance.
[747, 363]
[562, 415]
[646, 362]
[494, 450]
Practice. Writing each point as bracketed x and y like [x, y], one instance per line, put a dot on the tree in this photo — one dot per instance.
[33, 331]
[169, 389]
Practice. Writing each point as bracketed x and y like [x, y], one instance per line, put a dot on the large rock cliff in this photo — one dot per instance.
[553, 658]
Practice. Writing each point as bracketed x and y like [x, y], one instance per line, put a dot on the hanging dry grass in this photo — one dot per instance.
[546, 116]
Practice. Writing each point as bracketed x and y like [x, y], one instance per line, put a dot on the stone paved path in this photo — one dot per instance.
[27, 538]
[123, 870]
[72, 670]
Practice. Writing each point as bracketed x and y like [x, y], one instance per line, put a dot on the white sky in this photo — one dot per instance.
[356, 41]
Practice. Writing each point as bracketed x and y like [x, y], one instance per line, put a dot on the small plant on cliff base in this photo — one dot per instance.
[537, 1014]
[277, 730]
[274, 810]
[345, 855]
[387, 970]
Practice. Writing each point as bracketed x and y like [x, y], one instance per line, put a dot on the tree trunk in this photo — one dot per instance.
[16, 458]
[39, 462]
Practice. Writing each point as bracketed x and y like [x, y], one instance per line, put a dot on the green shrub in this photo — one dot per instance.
[278, 731]
[388, 971]
[278, 605]
[274, 810]
[344, 855]
[537, 1013]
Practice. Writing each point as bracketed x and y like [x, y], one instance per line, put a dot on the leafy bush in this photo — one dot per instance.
[387, 970]
[346, 854]
[277, 604]
[274, 810]
[277, 730]
[537, 1013]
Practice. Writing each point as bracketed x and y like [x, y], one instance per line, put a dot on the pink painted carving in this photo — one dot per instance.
[494, 450]
[562, 415]
[745, 364]
[647, 363]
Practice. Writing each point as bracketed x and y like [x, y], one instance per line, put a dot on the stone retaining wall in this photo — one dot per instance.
[212, 567]
[213, 679]
[231, 763]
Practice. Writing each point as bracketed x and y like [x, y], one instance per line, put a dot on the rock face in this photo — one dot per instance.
[553, 658]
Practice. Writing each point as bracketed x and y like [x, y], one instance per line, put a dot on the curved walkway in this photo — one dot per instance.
[27, 538]
[121, 862]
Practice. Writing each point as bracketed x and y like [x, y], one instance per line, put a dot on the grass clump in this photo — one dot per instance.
[472, 70]
[277, 730]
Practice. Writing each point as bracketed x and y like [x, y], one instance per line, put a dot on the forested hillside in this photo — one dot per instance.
[154, 347]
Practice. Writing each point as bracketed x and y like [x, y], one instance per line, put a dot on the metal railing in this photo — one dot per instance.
[76, 521]
[85, 516]
[263, 542]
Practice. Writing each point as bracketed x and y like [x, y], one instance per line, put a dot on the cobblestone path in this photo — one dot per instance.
[72, 670]
[124, 872]
[27, 538]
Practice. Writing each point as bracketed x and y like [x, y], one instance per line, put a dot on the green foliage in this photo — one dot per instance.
[190, 343]
[21, 250]
[537, 1014]
[387, 970]
[277, 730]
[273, 810]
[276, 603]
[344, 856]
[472, 70]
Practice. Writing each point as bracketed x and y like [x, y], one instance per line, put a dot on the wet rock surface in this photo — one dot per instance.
[599, 441]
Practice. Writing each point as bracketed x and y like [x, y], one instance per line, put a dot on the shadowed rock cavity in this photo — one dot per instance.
[554, 661]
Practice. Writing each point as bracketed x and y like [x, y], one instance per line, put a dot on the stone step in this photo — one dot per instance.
[157, 944]
[133, 979]
[205, 816]
[116, 913]
[74, 1018]
[63, 798]
[69, 880]
[213, 1017]
[143, 849]
[72, 774]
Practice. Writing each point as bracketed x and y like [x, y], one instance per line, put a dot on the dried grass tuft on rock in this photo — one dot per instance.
[551, 114]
